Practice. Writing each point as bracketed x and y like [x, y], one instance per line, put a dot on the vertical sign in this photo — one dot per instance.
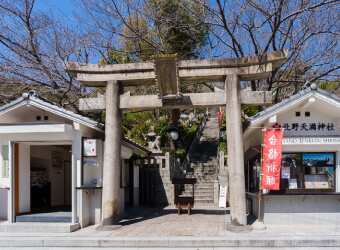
[272, 151]
[223, 197]
[220, 117]
[5, 161]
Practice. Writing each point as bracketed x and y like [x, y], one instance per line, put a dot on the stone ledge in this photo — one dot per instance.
[170, 242]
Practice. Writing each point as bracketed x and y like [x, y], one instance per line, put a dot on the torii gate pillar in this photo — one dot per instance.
[112, 161]
[235, 152]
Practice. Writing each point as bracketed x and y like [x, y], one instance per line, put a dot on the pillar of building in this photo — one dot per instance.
[76, 177]
[235, 152]
[112, 156]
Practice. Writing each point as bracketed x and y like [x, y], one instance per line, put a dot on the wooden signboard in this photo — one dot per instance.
[316, 181]
[166, 73]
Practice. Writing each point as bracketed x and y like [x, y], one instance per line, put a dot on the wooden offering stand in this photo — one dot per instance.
[187, 201]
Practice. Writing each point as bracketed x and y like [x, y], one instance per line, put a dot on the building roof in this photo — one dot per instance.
[135, 144]
[306, 91]
[32, 98]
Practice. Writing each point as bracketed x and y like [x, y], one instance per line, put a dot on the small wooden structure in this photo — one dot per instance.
[187, 201]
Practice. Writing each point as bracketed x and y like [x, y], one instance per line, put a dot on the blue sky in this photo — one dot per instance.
[64, 5]
[58, 7]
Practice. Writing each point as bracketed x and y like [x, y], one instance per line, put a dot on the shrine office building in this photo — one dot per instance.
[309, 179]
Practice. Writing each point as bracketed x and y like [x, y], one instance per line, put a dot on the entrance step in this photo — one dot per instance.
[203, 201]
[25, 227]
[57, 217]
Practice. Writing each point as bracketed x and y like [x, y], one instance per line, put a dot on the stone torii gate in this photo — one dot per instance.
[168, 73]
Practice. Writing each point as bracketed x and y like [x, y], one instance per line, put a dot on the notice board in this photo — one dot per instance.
[316, 181]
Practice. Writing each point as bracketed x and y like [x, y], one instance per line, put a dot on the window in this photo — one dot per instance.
[307, 171]
[300, 172]
[254, 175]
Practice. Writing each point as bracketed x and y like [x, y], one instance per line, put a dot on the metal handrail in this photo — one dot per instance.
[218, 155]
[197, 138]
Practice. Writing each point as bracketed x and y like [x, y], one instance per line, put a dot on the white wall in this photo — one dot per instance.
[135, 185]
[55, 176]
[24, 178]
[4, 185]
[4, 182]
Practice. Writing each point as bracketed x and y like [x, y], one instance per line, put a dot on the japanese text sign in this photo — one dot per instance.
[90, 147]
[272, 151]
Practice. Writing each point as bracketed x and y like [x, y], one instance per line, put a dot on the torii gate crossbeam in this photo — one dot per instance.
[168, 73]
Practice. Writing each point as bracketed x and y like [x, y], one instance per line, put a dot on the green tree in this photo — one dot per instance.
[151, 28]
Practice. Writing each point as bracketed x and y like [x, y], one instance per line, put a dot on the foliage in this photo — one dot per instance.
[115, 57]
[250, 110]
[187, 140]
[329, 86]
[223, 146]
[170, 150]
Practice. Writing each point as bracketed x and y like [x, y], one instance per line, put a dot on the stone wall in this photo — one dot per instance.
[298, 209]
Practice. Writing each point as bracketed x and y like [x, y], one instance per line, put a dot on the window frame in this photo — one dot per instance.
[308, 190]
[297, 190]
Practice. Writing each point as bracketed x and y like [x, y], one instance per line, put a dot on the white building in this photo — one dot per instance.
[51, 159]
[309, 181]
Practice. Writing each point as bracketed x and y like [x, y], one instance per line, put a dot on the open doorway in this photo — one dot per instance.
[48, 176]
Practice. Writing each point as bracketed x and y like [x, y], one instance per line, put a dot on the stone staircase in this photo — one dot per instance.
[203, 165]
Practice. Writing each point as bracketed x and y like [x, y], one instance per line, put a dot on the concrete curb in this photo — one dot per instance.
[171, 242]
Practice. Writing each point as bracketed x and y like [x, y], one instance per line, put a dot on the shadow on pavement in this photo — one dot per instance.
[142, 213]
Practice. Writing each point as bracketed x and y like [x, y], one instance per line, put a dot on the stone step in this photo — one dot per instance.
[43, 218]
[201, 173]
[202, 169]
[203, 201]
[200, 185]
[199, 156]
[199, 190]
[207, 177]
[32, 227]
[203, 153]
[198, 193]
[203, 165]
[199, 196]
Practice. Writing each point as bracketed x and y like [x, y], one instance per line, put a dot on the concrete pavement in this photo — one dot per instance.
[159, 228]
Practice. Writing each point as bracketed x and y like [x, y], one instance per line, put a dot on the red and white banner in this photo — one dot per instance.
[220, 117]
[271, 165]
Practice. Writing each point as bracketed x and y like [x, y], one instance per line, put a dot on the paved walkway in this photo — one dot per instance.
[159, 228]
[204, 221]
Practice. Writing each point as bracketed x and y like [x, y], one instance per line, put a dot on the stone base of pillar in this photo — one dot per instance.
[239, 229]
[108, 228]
[258, 225]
